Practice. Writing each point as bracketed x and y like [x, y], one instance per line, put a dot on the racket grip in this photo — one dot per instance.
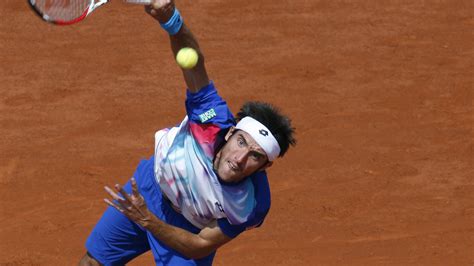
[140, 2]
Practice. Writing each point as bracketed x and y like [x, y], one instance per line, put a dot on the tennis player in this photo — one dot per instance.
[206, 182]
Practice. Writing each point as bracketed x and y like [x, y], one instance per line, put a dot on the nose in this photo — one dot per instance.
[241, 157]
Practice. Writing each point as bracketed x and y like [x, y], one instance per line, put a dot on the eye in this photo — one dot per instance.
[240, 141]
[256, 156]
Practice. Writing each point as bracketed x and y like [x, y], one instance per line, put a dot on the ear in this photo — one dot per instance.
[268, 164]
[229, 133]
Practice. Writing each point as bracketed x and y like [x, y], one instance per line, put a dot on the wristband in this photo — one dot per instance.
[174, 23]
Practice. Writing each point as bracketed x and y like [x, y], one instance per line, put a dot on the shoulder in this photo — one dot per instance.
[207, 107]
[262, 201]
[262, 193]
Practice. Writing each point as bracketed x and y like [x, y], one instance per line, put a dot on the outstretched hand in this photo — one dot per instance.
[131, 205]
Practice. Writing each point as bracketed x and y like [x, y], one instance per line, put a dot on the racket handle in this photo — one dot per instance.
[140, 2]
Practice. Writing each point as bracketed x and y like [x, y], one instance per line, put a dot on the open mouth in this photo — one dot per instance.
[233, 167]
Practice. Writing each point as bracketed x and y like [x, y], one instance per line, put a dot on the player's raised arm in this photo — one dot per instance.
[165, 12]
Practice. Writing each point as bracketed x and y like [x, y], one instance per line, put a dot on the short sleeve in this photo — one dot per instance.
[228, 229]
[207, 107]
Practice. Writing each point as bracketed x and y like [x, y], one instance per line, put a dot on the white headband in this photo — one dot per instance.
[262, 136]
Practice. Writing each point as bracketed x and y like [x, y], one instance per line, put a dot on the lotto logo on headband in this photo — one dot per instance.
[262, 136]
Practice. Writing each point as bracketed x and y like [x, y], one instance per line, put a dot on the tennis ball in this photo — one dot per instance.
[187, 58]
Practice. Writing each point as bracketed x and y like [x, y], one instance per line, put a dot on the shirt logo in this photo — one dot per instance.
[263, 132]
[207, 115]
[219, 206]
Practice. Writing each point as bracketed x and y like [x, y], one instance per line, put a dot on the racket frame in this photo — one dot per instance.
[92, 6]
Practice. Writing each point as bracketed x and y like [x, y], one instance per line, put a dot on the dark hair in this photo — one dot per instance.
[271, 117]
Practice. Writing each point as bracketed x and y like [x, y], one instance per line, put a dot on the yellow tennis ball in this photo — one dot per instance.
[187, 58]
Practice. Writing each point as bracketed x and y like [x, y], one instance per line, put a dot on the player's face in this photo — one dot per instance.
[241, 156]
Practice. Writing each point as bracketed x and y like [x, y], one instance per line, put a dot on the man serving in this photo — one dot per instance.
[206, 182]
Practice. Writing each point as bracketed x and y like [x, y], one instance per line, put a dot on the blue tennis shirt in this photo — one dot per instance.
[183, 169]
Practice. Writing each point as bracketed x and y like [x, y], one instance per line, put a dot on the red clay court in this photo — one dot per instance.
[380, 93]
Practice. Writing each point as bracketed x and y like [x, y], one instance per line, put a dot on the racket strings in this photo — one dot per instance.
[63, 10]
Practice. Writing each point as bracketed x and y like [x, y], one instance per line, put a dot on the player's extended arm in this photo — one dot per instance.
[195, 78]
[191, 245]
[194, 246]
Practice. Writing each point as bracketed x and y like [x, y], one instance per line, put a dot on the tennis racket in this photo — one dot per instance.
[67, 12]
